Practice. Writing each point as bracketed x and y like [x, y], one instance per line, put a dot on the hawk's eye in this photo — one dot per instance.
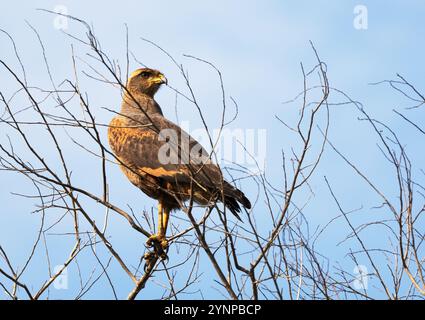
[145, 74]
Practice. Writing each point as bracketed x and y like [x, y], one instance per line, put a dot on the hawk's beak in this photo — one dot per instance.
[161, 79]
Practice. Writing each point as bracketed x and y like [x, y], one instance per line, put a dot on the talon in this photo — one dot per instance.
[159, 245]
[152, 240]
[163, 250]
[164, 244]
[156, 239]
[148, 256]
[164, 256]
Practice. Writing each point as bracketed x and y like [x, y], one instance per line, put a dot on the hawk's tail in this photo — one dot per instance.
[232, 198]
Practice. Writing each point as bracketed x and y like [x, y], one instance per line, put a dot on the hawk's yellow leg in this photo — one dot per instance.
[160, 237]
[165, 218]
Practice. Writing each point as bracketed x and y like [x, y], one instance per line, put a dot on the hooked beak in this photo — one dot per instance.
[161, 79]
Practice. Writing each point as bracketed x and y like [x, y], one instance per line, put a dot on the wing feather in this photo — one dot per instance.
[143, 148]
[170, 154]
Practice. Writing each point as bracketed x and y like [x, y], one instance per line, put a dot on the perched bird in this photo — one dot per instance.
[162, 160]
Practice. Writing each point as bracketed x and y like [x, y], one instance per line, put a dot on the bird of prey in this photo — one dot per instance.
[162, 160]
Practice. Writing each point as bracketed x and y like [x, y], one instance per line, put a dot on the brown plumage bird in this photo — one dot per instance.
[162, 160]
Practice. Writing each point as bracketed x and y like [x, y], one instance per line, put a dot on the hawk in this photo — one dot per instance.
[162, 160]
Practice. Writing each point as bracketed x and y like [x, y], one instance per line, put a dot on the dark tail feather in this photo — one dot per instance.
[232, 197]
[243, 200]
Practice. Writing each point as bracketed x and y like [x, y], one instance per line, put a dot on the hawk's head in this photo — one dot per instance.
[146, 81]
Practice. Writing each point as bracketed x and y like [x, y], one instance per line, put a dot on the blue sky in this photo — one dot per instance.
[258, 46]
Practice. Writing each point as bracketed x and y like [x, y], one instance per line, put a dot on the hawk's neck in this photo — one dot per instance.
[140, 103]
